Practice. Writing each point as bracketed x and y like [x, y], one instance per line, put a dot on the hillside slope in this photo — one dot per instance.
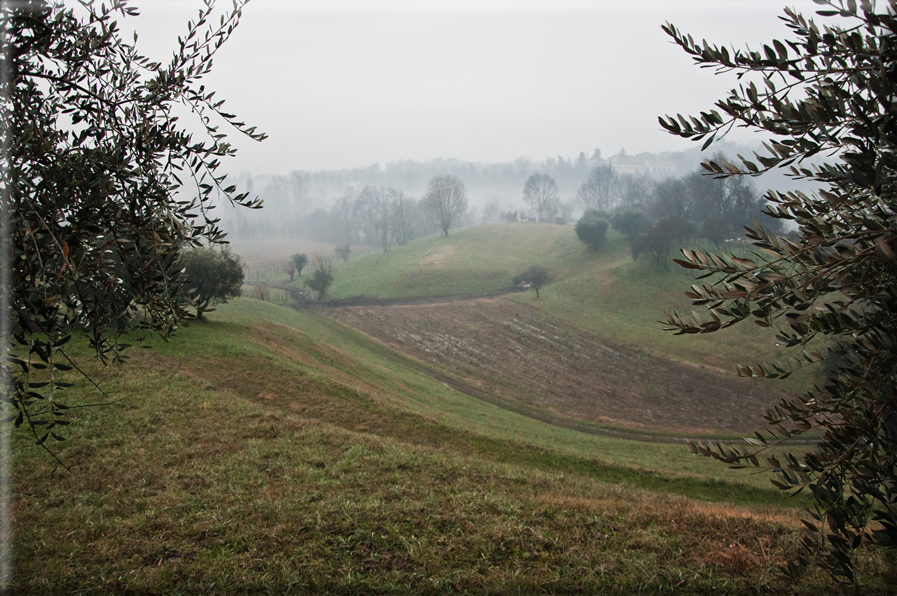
[470, 260]
[279, 451]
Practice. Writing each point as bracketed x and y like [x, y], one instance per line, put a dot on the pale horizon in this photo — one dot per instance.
[346, 84]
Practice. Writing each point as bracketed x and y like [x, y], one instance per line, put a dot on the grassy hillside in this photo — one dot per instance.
[471, 260]
[604, 292]
[277, 451]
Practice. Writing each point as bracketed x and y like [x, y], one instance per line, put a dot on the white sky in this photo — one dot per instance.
[342, 83]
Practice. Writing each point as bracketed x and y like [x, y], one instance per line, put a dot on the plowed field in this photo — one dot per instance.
[513, 351]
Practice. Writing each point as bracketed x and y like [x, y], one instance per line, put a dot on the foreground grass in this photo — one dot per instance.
[249, 456]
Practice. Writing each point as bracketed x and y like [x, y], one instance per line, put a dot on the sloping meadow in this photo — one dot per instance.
[270, 450]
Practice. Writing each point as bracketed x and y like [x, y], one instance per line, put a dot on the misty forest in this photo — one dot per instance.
[438, 375]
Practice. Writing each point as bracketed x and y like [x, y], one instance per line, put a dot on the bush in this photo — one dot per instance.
[629, 222]
[321, 278]
[534, 277]
[591, 230]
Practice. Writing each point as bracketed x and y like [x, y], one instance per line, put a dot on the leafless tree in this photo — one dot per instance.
[403, 215]
[634, 190]
[373, 207]
[596, 192]
[541, 194]
[299, 191]
[673, 198]
[445, 201]
[345, 214]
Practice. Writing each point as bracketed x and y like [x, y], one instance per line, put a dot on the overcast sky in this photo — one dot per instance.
[349, 83]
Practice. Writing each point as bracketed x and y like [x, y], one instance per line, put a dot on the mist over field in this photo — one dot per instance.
[303, 204]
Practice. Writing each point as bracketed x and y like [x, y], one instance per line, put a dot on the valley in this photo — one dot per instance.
[427, 441]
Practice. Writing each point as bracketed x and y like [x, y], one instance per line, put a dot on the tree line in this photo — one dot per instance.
[300, 203]
[657, 216]
[386, 217]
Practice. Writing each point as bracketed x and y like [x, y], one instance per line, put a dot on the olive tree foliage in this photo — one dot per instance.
[445, 201]
[541, 193]
[214, 275]
[828, 91]
[102, 187]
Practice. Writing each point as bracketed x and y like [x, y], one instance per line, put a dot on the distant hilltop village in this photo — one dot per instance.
[654, 171]
[653, 165]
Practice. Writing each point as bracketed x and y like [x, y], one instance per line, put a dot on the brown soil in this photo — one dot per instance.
[515, 352]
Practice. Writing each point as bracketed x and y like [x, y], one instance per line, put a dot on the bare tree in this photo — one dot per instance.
[595, 193]
[673, 198]
[299, 191]
[445, 201]
[345, 214]
[634, 190]
[403, 213]
[373, 207]
[541, 194]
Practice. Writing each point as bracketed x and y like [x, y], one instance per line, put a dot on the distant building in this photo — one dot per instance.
[655, 171]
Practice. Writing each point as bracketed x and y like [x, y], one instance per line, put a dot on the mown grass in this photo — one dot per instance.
[284, 455]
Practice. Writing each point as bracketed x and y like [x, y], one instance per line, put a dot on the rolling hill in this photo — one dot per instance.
[283, 451]
[605, 293]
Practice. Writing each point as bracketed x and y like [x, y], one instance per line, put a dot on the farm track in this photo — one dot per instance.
[513, 356]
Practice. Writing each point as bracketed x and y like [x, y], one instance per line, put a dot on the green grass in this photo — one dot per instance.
[471, 260]
[279, 451]
[618, 298]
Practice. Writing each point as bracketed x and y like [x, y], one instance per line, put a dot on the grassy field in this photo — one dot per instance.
[276, 451]
[471, 260]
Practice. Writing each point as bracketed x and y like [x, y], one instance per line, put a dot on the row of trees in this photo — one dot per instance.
[291, 199]
[299, 205]
[668, 213]
[603, 191]
[385, 216]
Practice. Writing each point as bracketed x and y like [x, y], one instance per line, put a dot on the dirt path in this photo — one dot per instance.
[511, 353]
